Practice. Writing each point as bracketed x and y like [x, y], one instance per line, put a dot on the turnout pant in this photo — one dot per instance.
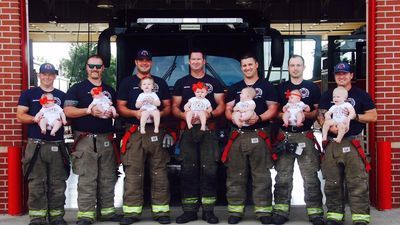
[46, 179]
[249, 156]
[342, 163]
[309, 164]
[199, 155]
[142, 148]
[94, 161]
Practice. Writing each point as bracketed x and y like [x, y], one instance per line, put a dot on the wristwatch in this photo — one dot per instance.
[259, 118]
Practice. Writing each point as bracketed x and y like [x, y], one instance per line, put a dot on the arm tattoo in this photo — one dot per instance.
[71, 103]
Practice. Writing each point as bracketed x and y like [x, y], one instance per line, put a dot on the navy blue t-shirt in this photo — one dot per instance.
[310, 93]
[359, 99]
[265, 91]
[30, 98]
[129, 91]
[183, 88]
[80, 93]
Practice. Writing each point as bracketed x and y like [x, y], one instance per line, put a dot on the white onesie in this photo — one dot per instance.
[146, 99]
[338, 111]
[199, 104]
[51, 114]
[293, 109]
[103, 102]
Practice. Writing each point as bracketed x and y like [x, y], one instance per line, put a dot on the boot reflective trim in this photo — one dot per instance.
[132, 209]
[160, 208]
[313, 211]
[90, 215]
[281, 207]
[38, 213]
[190, 200]
[335, 216]
[262, 209]
[208, 200]
[361, 217]
[236, 208]
[56, 212]
[107, 211]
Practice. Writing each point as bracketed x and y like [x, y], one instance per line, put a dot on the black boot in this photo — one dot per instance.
[234, 220]
[361, 223]
[163, 220]
[113, 218]
[84, 222]
[38, 221]
[58, 222]
[128, 220]
[210, 217]
[332, 222]
[186, 217]
[278, 219]
[266, 219]
[318, 221]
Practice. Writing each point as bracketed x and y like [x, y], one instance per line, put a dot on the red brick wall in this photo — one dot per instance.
[388, 83]
[10, 86]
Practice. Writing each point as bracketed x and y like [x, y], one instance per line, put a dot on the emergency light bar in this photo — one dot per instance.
[189, 20]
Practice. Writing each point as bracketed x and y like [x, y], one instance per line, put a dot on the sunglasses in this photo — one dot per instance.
[92, 66]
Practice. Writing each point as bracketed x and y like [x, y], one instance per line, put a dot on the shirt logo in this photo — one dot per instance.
[156, 87]
[106, 93]
[210, 88]
[352, 101]
[259, 92]
[304, 92]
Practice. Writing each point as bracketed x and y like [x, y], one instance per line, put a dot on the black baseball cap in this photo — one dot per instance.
[342, 67]
[48, 68]
[143, 54]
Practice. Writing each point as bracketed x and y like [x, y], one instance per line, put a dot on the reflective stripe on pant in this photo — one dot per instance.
[249, 151]
[142, 148]
[199, 168]
[343, 163]
[309, 164]
[46, 181]
[96, 167]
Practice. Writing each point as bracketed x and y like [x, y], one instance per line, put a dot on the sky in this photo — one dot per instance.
[53, 52]
[50, 52]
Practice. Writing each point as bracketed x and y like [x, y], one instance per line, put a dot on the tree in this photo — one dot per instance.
[74, 66]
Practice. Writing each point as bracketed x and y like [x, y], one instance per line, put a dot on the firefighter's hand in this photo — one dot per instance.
[253, 119]
[97, 112]
[168, 141]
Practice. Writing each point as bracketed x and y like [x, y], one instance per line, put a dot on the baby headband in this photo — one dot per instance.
[44, 100]
[97, 90]
[288, 93]
[198, 85]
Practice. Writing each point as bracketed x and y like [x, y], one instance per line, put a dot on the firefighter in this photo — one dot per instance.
[94, 156]
[45, 161]
[304, 150]
[138, 148]
[198, 148]
[346, 161]
[248, 152]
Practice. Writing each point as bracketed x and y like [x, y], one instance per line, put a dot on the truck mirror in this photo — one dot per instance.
[277, 48]
[103, 46]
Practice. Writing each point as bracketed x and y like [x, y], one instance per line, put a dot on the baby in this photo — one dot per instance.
[337, 115]
[244, 109]
[198, 106]
[103, 102]
[293, 114]
[148, 102]
[51, 116]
